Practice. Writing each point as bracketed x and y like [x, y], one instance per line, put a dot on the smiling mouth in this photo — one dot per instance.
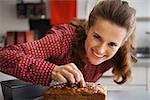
[97, 55]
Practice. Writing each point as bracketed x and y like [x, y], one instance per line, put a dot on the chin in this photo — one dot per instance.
[95, 62]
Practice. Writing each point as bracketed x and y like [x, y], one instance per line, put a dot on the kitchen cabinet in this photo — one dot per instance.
[148, 77]
[140, 78]
[31, 10]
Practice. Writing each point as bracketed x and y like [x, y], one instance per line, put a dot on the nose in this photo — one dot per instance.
[101, 48]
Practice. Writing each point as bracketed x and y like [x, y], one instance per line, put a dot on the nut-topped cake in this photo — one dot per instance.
[91, 91]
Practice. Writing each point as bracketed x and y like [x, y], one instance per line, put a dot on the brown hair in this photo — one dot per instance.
[118, 12]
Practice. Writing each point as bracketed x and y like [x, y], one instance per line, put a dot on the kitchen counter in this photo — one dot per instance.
[140, 77]
[128, 95]
[144, 61]
[122, 95]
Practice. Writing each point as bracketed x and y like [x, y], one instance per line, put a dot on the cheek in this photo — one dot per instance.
[89, 43]
[112, 52]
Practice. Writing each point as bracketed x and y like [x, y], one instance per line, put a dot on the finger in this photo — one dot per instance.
[68, 75]
[76, 68]
[60, 78]
[82, 81]
[75, 73]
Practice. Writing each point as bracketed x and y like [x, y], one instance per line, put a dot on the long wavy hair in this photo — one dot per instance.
[120, 13]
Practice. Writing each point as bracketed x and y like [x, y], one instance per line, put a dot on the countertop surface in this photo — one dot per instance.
[128, 95]
[123, 95]
[144, 60]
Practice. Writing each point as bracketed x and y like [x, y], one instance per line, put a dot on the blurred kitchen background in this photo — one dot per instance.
[28, 20]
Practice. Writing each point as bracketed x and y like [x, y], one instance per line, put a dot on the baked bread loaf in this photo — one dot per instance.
[91, 91]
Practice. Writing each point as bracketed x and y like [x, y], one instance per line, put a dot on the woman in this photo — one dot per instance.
[78, 52]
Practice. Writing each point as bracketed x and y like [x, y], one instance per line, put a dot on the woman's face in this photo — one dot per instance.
[103, 40]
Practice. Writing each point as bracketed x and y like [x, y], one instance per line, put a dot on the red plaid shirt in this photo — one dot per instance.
[35, 61]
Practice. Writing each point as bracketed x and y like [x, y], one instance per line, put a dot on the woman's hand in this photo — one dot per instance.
[68, 72]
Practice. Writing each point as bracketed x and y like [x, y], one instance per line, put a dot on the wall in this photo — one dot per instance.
[9, 21]
[8, 17]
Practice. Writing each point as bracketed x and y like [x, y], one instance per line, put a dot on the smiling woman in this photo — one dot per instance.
[101, 44]
[110, 39]
[78, 51]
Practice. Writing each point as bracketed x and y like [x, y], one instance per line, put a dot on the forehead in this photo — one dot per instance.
[109, 31]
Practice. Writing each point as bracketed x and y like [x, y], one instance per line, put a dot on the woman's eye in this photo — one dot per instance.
[96, 36]
[113, 45]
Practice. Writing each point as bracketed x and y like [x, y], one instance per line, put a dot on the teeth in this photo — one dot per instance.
[100, 56]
